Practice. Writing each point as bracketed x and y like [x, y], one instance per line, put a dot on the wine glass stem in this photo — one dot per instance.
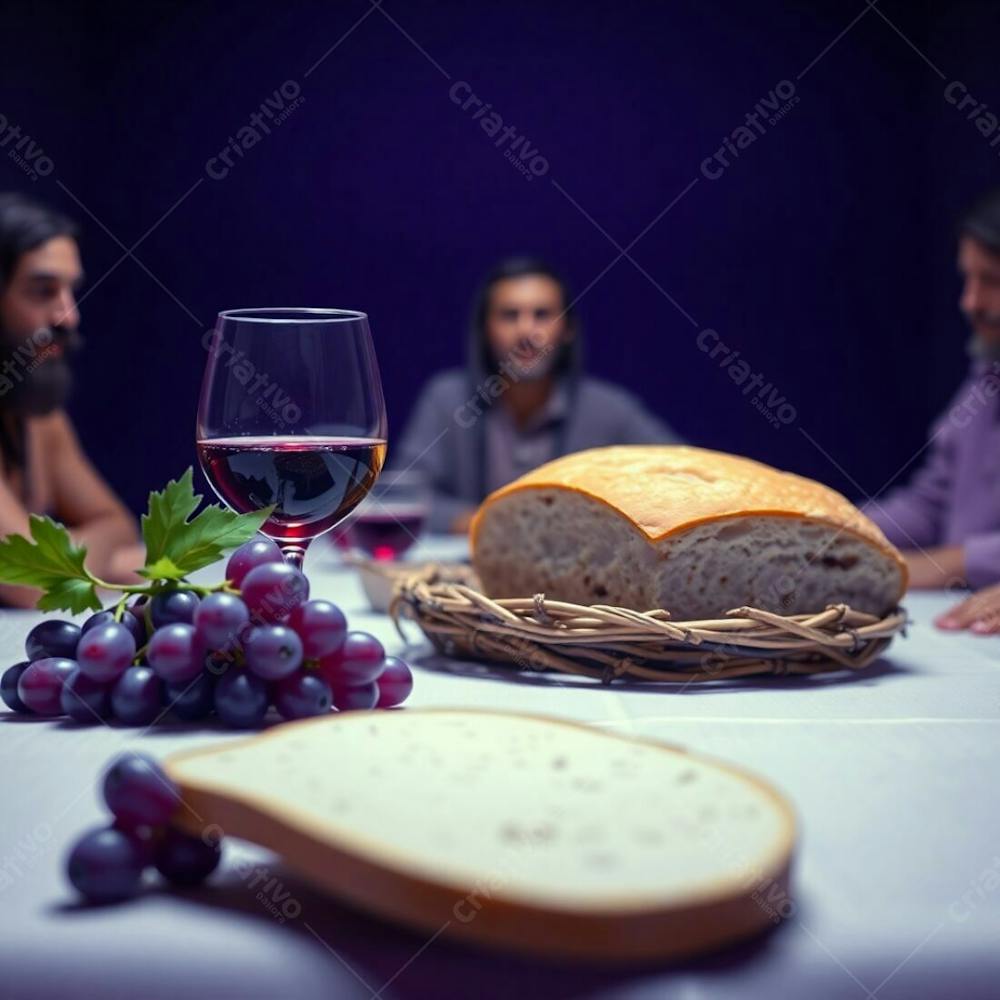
[294, 553]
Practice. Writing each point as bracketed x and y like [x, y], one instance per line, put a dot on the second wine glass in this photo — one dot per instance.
[292, 414]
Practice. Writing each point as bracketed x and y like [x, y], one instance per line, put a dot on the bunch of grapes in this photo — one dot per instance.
[108, 863]
[233, 652]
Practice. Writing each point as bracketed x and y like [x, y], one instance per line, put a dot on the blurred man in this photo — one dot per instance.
[42, 467]
[522, 399]
[947, 520]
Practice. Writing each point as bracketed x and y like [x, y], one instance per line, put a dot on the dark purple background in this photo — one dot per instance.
[824, 253]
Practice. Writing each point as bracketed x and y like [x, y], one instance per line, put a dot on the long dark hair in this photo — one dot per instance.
[24, 225]
[523, 267]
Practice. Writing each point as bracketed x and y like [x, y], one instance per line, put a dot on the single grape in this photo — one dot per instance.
[186, 860]
[254, 553]
[191, 700]
[136, 698]
[394, 683]
[138, 792]
[105, 651]
[98, 618]
[135, 625]
[174, 652]
[105, 865]
[219, 619]
[272, 651]
[241, 699]
[273, 591]
[357, 696]
[170, 607]
[321, 626]
[40, 685]
[358, 661]
[52, 638]
[84, 699]
[302, 695]
[8, 688]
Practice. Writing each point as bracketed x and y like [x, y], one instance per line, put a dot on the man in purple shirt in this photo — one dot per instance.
[947, 520]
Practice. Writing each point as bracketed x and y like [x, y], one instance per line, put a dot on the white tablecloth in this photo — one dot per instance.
[896, 886]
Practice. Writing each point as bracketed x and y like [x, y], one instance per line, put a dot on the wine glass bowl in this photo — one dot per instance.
[391, 518]
[292, 414]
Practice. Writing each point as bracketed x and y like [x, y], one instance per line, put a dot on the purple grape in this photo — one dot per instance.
[40, 685]
[186, 860]
[273, 591]
[52, 638]
[191, 700]
[358, 661]
[98, 618]
[8, 688]
[241, 699]
[138, 792]
[219, 619]
[256, 552]
[175, 653]
[321, 626]
[105, 651]
[302, 695]
[272, 651]
[84, 699]
[105, 865]
[136, 627]
[395, 683]
[136, 698]
[357, 696]
[171, 607]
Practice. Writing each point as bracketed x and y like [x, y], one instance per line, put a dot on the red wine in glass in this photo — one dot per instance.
[386, 533]
[314, 482]
[292, 414]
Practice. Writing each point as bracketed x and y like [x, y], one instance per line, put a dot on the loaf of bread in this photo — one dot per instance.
[520, 832]
[692, 531]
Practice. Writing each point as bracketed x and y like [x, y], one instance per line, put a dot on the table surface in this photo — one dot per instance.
[896, 886]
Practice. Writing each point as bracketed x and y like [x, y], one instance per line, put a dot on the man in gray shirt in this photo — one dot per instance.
[522, 399]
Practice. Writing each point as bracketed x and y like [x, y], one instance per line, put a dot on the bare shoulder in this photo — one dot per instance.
[54, 431]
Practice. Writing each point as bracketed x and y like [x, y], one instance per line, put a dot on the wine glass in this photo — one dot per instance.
[390, 519]
[292, 414]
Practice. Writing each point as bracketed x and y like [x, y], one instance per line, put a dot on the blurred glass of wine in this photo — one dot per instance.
[390, 520]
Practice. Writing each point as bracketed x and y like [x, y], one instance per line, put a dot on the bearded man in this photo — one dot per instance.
[43, 469]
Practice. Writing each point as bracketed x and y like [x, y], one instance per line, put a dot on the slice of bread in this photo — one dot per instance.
[516, 831]
[692, 531]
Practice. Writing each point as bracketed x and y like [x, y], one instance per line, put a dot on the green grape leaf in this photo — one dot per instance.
[163, 568]
[177, 546]
[52, 562]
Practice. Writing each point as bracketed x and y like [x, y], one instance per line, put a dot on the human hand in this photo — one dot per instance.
[979, 613]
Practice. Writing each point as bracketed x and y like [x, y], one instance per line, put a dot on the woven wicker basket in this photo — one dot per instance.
[534, 633]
